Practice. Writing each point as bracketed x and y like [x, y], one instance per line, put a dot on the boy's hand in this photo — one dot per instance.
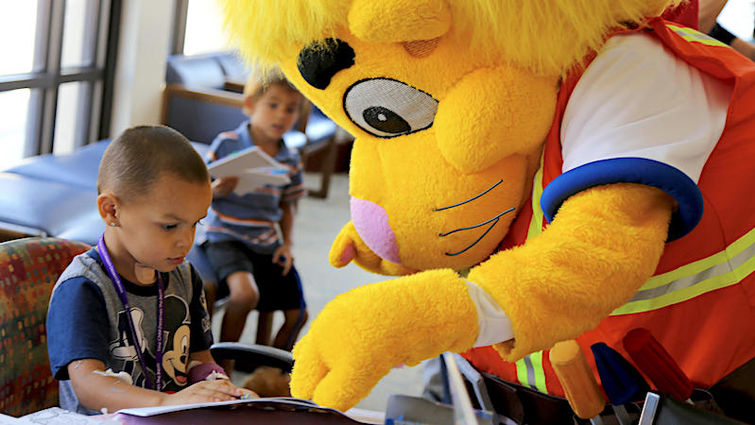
[282, 256]
[224, 185]
[207, 391]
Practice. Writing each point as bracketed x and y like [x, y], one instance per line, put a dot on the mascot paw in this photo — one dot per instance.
[348, 247]
[362, 334]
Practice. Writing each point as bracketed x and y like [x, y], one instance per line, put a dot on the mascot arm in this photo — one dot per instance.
[349, 246]
[360, 335]
[603, 244]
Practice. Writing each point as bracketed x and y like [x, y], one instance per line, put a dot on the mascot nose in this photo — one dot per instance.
[371, 223]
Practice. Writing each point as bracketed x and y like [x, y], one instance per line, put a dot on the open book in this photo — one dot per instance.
[270, 403]
[253, 167]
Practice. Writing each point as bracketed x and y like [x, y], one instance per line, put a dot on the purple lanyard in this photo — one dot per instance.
[113, 274]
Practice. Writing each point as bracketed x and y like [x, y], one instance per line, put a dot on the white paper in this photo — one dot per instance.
[366, 416]
[8, 420]
[253, 167]
[58, 416]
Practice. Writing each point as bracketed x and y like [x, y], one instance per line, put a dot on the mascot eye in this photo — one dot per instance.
[388, 108]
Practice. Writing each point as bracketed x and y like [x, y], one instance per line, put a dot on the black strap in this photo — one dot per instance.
[735, 394]
[527, 406]
[721, 34]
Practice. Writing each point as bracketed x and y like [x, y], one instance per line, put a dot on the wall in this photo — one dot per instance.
[140, 69]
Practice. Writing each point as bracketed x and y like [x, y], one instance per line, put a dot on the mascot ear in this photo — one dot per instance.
[392, 21]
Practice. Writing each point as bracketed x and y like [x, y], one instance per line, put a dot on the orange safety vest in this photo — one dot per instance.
[700, 303]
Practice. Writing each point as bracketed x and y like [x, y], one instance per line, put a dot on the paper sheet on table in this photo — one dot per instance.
[8, 420]
[58, 416]
[253, 167]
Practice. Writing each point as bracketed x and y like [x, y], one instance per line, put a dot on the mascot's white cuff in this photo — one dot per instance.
[494, 324]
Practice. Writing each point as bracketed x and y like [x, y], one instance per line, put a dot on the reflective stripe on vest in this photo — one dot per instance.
[530, 372]
[536, 222]
[688, 34]
[722, 269]
[529, 369]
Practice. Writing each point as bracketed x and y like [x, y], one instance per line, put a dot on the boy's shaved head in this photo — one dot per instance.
[135, 160]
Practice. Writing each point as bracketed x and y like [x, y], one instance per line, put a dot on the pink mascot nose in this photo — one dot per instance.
[371, 223]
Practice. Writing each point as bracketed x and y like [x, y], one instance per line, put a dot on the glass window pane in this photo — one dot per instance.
[70, 97]
[737, 17]
[204, 28]
[18, 21]
[14, 106]
[78, 33]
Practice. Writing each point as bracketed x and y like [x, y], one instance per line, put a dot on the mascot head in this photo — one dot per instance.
[449, 101]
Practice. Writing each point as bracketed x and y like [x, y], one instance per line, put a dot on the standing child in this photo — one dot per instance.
[252, 260]
[127, 324]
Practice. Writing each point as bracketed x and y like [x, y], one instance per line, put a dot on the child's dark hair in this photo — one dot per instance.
[134, 161]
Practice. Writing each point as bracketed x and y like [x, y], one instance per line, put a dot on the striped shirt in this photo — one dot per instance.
[250, 218]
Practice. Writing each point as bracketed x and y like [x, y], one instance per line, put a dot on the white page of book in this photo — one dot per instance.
[253, 167]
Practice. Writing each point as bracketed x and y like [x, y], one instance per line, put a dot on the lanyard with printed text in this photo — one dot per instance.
[113, 274]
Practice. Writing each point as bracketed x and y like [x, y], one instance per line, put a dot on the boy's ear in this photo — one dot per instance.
[108, 207]
[249, 105]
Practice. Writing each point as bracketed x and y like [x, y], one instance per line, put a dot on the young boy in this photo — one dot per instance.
[127, 324]
[253, 262]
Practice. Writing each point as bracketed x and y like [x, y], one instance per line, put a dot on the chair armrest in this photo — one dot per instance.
[233, 85]
[248, 357]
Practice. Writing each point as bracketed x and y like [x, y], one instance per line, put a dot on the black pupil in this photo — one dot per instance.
[385, 120]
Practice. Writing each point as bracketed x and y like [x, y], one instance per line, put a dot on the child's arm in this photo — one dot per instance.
[290, 195]
[96, 391]
[286, 224]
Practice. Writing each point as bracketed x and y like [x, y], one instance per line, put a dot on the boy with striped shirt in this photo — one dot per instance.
[253, 261]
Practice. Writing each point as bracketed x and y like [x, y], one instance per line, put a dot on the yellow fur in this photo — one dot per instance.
[333, 369]
[382, 22]
[348, 247]
[469, 147]
[493, 68]
[547, 37]
[606, 240]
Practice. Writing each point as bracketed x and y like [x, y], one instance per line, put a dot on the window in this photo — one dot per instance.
[53, 74]
[738, 16]
[199, 28]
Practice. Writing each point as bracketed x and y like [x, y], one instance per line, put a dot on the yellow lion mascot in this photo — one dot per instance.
[535, 171]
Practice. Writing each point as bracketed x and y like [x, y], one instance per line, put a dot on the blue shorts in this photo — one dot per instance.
[277, 292]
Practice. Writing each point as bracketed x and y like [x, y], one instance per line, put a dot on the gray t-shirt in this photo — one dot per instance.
[86, 320]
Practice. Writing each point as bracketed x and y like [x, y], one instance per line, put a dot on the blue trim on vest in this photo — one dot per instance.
[630, 170]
